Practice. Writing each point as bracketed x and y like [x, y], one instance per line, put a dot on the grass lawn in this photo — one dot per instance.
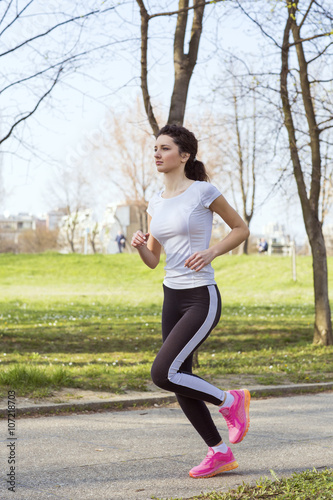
[307, 485]
[93, 322]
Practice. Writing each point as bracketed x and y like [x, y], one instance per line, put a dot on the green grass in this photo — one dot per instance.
[307, 485]
[93, 322]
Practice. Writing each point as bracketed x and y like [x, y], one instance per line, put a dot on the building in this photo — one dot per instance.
[11, 226]
[54, 218]
[80, 231]
[126, 218]
[278, 241]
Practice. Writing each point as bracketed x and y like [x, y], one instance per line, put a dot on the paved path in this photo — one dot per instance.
[142, 454]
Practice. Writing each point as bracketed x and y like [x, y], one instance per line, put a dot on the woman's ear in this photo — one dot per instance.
[185, 156]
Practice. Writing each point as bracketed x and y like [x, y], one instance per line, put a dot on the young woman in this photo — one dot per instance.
[180, 219]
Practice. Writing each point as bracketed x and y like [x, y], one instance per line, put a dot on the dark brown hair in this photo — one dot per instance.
[187, 143]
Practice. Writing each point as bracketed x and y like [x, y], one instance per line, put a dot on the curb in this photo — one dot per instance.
[106, 405]
[288, 390]
[156, 400]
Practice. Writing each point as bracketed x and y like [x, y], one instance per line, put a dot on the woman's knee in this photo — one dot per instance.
[159, 375]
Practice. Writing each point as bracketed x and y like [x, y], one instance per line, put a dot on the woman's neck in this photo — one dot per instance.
[175, 183]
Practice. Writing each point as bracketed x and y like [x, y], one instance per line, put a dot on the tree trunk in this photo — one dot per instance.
[71, 243]
[144, 67]
[184, 63]
[246, 247]
[246, 171]
[93, 246]
[323, 326]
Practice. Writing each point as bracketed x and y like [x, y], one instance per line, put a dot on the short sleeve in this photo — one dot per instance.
[209, 193]
[150, 209]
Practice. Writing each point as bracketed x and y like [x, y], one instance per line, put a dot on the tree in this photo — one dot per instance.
[43, 45]
[93, 233]
[48, 41]
[124, 154]
[38, 240]
[71, 189]
[240, 149]
[315, 126]
[246, 166]
[305, 92]
[184, 62]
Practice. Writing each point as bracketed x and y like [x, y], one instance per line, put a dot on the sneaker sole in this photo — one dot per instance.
[247, 399]
[224, 468]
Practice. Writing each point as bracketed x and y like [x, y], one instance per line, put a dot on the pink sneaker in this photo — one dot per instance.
[237, 415]
[214, 463]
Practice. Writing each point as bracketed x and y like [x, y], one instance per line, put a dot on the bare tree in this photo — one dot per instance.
[38, 240]
[40, 45]
[93, 233]
[239, 154]
[234, 140]
[246, 166]
[125, 155]
[71, 190]
[184, 62]
[306, 52]
[309, 199]
[44, 46]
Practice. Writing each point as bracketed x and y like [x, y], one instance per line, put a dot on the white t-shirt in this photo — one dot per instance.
[183, 225]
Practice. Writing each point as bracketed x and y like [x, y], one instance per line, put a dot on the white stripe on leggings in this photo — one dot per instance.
[191, 381]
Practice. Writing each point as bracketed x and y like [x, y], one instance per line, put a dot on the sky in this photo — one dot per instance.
[78, 108]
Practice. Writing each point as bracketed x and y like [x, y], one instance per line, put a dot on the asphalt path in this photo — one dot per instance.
[145, 454]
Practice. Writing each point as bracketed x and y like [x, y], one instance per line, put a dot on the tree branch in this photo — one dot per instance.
[61, 63]
[185, 9]
[306, 14]
[326, 128]
[85, 16]
[258, 24]
[34, 109]
[144, 67]
[288, 118]
[310, 61]
[5, 13]
[314, 37]
[311, 119]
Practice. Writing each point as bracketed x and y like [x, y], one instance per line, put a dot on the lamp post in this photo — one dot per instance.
[86, 232]
[293, 259]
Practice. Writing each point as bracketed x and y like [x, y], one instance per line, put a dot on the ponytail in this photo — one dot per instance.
[195, 170]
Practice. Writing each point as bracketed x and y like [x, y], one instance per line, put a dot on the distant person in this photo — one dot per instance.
[120, 239]
[180, 218]
[263, 246]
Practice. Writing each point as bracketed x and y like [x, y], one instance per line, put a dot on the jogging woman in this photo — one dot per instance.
[180, 219]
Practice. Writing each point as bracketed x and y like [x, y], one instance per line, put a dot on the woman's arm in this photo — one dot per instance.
[239, 233]
[148, 248]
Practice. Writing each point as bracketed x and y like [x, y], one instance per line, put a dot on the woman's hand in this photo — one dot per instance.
[139, 239]
[198, 260]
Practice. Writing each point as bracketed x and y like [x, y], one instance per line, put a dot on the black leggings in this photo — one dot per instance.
[188, 317]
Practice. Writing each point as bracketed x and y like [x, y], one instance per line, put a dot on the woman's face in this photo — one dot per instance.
[167, 156]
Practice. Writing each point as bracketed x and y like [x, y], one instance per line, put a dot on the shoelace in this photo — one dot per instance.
[226, 413]
[207, 458]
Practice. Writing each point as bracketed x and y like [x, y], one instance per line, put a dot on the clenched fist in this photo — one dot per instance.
[139, 239]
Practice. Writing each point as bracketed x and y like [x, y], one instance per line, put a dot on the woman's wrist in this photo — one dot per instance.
[216, 250]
